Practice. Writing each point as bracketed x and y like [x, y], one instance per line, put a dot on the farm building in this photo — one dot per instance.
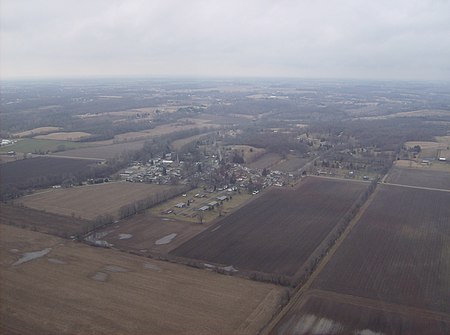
[6, 142]
[213, 204]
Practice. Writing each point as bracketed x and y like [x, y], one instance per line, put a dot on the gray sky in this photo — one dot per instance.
[367, 39]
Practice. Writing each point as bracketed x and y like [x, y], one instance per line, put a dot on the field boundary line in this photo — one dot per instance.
[335, 230]
[74, 157]
[303, 289]
[252, 320]
[378, 304]
[340, 178]
[419, 187]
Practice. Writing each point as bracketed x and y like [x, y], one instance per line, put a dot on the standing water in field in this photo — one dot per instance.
[29, 256]
[166, 239]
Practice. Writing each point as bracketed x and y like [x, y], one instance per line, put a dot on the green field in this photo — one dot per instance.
[34, 146]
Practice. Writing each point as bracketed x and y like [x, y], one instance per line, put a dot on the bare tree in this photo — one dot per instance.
[200, 216]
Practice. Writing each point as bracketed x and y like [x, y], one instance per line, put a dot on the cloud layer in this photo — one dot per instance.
[386, 39]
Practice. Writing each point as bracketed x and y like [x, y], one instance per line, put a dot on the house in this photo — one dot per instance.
[181, 205]
[222, 198]
[203, 208]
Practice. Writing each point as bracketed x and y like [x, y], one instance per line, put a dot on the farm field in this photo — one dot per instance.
[278, 231]
[36, 131]
[142, 232]
[64, 136]
[21, 173]
[290, 164]
[431, 149]
[399, 251]
[36, 146]
[104, 151]
[327, 313]
[7, 159]
[89, 201]
[421, 177]
[265, 161]
[164, 130]
[131, 141]
[103, 291]
[134, 112]
[178, 144]
[435, 166]
[42, 222]
[249, 153]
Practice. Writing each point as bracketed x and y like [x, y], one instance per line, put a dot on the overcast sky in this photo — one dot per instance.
[366, 39]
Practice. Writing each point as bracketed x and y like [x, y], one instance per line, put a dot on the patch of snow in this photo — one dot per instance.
[125, 236]
[230, 268]
[115, 268]
[326, 326]
[102, 243]
[367, 332]
[311, 324]
[209, 266]
[151, 266]
[305, 323]
[29, 256]
[55, 261]
[96, 236]
[166, 239]
[100, 276]
[95, 239]
[101, 234]
[14, 250]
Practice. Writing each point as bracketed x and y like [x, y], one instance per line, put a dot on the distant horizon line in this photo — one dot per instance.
[211, 78]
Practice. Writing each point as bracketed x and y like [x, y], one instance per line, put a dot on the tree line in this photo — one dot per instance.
[150, 201]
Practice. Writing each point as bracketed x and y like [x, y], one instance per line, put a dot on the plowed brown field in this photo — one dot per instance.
[91, 200]
[325, 313]
[399, 252]
[277, 232]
